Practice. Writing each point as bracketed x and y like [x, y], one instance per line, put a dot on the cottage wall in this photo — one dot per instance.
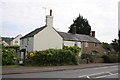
[92, 47]
[27, 43]
[48, 38]
[72, 43]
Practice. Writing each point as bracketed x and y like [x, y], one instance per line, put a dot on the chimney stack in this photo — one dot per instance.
[93, 33]
[74, 30]
[49, 20]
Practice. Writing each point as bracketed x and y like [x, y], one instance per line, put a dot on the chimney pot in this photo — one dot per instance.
[93, 34]
[50, 12]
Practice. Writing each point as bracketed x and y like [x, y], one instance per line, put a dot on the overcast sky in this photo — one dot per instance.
[23, 16]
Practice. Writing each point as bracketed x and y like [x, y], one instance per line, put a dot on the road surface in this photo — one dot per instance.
[98, 72]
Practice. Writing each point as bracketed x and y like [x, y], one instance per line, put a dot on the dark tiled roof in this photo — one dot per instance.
[66, 36]
[31, 34]
[78, 37]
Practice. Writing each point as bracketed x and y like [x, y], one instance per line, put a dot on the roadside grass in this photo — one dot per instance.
[9, 66]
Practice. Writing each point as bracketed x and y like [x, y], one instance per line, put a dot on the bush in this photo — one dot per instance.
[9, 57]
[11, 47]
[111, 58]
[53, 57]
[88, 57]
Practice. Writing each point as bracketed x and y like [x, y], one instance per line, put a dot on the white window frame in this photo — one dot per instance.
[86, 44]
[96, 45]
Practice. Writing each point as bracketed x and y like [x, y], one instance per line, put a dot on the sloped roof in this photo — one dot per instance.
[78, 37]
[31, 34]
[66, 36]
[7, 39]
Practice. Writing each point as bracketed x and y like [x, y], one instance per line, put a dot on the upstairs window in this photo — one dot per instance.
[27, 41]
[86, 44]
[22, 41]
[96, 45]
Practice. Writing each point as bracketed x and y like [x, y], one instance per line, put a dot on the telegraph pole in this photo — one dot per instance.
[45, 13]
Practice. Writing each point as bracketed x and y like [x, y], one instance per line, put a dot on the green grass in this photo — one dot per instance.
[9, 66]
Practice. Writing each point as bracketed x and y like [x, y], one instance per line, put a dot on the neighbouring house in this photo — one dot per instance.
[6, 41]
[16, 41]
[47, 37]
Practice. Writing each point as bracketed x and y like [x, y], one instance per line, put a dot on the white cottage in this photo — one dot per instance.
[47, 37]
[16, 41]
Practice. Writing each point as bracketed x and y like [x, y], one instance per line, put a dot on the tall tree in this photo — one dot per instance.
[82, 26]
[115, 45]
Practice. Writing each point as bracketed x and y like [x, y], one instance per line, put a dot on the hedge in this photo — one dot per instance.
[111, 58]
[66, 56]
[9, 55]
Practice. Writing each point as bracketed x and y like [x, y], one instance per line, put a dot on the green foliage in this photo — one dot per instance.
[111, 58]
[115, 45]
[108, 58]
[82, 26]
[106, 46]
[74, 49]
[88, 57]
[53, 57]
[9, 56]
[11, 47]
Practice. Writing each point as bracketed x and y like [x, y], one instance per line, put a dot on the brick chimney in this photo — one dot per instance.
[93, 33]
[49, 20]
[74, 30]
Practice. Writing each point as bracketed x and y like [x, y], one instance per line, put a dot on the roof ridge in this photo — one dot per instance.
[32, 33]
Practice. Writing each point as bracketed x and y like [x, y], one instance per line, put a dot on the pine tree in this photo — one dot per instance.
[82, 26]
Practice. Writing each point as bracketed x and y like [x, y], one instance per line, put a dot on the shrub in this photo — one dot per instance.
[53, 57]
[10, 47]
[88, 57]
[8, 57]
[111, 58]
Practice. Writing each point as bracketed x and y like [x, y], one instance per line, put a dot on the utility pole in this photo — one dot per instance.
[45, 10]
[45, 13]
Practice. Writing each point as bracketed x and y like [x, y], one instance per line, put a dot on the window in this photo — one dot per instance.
[86, 44]
[16, 41]
[22, 41]
[27, 40]
[96, 45]
[75, 44]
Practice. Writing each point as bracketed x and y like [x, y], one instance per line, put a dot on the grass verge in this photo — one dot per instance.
[9, 66]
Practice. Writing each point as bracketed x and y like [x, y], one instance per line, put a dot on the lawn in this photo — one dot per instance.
[9, 66]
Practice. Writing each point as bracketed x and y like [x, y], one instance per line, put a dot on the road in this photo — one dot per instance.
[98, 72]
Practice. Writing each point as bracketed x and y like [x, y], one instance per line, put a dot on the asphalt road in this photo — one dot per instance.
[98, 72]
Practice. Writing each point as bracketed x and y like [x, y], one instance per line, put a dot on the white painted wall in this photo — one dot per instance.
[27, 43]
[69, 43]
[46, 39]
[79, 44]
[16, 41]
